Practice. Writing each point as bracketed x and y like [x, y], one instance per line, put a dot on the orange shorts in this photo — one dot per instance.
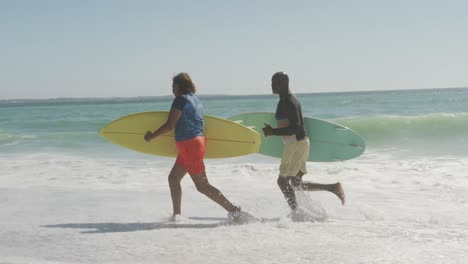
[191, 153]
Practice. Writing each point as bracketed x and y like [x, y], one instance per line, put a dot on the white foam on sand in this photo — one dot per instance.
[69, 209]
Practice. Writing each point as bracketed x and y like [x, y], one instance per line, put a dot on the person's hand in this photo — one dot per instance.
[148, 136]
[267, 130]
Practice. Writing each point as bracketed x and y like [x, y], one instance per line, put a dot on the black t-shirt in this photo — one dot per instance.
[290, 108]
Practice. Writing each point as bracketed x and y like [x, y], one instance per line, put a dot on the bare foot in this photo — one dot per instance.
[338, 190]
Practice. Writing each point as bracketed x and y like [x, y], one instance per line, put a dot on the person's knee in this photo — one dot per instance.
[281, 181]
[284, 184]
[296, 181]
[173, 181]
[202, 187]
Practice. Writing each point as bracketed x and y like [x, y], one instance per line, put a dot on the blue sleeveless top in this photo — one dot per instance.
[191, 122]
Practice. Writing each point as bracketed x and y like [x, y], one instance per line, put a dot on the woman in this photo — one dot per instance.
[186, 116]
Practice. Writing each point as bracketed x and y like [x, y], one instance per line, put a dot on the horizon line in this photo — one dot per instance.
[226, 95]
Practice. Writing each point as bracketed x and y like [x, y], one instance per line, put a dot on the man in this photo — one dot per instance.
[290, 126]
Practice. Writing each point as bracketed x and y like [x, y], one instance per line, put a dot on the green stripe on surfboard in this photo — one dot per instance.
[328, 141]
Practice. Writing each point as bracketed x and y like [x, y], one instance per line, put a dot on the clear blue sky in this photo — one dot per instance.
[112, 48]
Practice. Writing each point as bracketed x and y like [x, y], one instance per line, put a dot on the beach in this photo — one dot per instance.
[69, 196]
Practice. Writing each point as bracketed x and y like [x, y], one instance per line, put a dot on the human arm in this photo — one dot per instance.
[290, 110]
[267, 130]
[174, 116]
[288, 130]
[282, 131]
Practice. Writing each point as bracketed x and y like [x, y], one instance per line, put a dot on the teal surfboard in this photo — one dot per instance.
[328, 141]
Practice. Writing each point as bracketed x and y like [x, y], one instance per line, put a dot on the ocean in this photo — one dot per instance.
[408, 122]
[69, 196]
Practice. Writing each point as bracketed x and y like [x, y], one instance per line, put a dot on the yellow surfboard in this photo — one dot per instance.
[224, 138]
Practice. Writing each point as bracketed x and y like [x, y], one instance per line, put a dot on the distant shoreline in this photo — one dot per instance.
[61, 100]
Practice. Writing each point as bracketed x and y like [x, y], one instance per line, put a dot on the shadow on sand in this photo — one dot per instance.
[94, 228]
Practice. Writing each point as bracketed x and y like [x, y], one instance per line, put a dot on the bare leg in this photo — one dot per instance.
[203, 186]
[175, 176]
[335, 188]
[288, 191]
